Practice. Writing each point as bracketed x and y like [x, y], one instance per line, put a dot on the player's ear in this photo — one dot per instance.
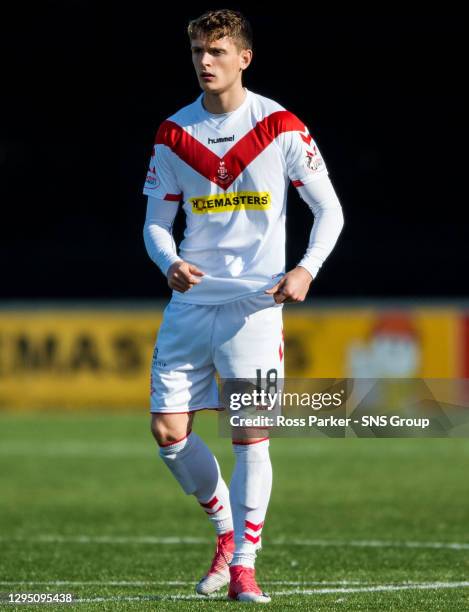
[246, 58]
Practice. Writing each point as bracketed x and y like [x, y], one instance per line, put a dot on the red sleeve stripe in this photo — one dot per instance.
[173, 197]
[297, 183]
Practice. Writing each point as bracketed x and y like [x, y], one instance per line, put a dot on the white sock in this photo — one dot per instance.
[249, 495]
[197, 471]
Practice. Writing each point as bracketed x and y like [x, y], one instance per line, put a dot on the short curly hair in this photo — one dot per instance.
[222, 22]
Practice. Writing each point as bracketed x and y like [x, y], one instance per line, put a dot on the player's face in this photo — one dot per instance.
[219, 63]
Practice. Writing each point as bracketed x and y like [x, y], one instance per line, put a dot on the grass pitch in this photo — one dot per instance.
[87, 507]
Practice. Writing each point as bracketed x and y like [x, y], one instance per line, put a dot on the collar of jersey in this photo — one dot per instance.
[219, 118]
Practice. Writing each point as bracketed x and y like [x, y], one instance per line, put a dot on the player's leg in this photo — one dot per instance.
[250, 489]
[252, 349]
[193, 465]
[183, 382]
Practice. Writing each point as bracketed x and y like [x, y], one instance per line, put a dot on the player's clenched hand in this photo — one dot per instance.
[292, 287]
[183, 275]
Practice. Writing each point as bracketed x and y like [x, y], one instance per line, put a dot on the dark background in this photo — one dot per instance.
[86, 86]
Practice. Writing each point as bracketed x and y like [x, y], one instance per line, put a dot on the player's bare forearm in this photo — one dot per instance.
[182, 276]
[292, 287]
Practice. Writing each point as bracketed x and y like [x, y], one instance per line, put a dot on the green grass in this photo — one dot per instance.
[98, 475]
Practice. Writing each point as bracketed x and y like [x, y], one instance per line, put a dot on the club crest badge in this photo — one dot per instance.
[223, 176]
[313, 159]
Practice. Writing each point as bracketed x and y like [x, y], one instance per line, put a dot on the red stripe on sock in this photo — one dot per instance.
[210, 503]
[251, 538]
[214, 511]
[253, 526]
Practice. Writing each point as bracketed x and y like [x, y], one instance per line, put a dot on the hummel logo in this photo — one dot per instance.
[225, 139]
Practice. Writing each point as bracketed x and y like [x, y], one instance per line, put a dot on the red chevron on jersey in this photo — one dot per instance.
[224, 171]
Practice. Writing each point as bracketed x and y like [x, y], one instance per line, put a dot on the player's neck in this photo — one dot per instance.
[224, 102]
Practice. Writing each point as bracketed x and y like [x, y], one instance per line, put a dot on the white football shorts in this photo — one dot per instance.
[241, 339]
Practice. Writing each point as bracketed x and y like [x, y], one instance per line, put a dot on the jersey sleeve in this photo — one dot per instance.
[161, 181]
[302, 157]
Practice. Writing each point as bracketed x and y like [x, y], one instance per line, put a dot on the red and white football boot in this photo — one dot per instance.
[219, 573]
[243, 585]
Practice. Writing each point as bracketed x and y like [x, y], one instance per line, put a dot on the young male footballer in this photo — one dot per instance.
[228, 158]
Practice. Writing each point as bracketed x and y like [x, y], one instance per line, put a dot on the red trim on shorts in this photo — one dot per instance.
[243, 442]
[176, 441]
[184, 411]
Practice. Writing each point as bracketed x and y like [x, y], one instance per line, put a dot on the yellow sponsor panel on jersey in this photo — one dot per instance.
[227, 202]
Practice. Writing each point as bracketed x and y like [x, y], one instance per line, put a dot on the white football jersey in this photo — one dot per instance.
[231, 172]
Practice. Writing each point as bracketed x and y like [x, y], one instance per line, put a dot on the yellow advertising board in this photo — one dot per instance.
[372, 343]
[58, 358]
[101, 358]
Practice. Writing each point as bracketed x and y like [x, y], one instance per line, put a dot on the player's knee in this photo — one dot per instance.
[161, 432]
[167, 430]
